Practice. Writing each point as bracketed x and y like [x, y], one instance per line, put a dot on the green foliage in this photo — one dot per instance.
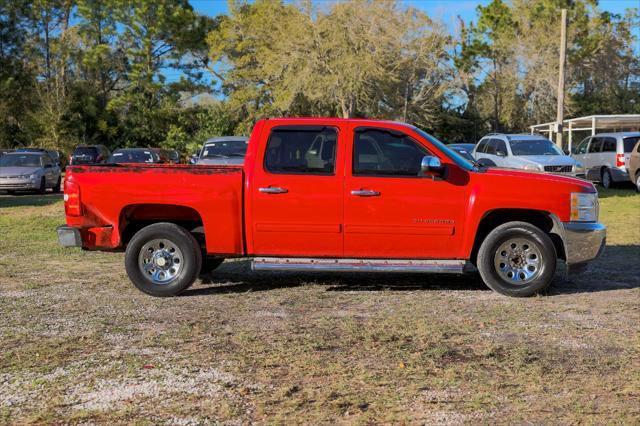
[94, 71]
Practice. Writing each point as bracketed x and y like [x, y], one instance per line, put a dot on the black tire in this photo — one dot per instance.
[532, 238]
[187, 246]
[606, 180]
[43, 186]
[209, 264]
[638, 182]
[56, 188]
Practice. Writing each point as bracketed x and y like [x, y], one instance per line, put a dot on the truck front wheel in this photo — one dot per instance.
[517, 259]
[163, 259]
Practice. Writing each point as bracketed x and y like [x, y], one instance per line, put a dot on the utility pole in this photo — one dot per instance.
[563, 48]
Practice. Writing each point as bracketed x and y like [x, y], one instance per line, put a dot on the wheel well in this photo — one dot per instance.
[135, 217]
[495, 218]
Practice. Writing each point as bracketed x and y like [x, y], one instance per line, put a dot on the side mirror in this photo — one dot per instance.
[193, 159]
[501, 153]
[431, 166]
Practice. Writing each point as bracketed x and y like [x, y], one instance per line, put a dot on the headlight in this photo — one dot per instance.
[533, 167]
[584, 207]
[28, 176]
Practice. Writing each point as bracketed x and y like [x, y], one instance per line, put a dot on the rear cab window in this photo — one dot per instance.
[630, 142]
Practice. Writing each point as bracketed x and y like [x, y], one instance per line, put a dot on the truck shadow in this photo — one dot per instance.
[28, 199]
[237, 277]
[615, 270]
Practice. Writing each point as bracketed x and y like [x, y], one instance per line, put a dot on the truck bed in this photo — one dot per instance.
[117, 199]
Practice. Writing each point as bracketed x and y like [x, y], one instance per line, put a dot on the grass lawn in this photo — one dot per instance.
[80, 344]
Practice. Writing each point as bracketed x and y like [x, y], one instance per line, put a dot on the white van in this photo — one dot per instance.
[605, 156]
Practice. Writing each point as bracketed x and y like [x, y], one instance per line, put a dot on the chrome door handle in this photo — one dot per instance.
[365, 193]
[273, 190]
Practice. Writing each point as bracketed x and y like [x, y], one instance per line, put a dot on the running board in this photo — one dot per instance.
[447, 266]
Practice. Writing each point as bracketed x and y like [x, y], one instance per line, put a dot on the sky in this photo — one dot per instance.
[444, 10]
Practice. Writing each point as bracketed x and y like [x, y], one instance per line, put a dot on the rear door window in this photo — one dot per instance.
[491, 147]
[301, 150]
[501, 146]
[608, 144]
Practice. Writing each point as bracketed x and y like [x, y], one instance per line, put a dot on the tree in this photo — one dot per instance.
[352, 59]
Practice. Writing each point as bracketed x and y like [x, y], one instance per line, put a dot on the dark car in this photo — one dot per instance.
[135, 155]
[167, 156]
[225, 150]
[463, 149]
[89, 154]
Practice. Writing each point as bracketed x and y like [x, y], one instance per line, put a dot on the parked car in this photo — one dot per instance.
[526, 152]
[4, 151]
[167, 156]
[634, 166]
[606, 156]
[55, 155]
[134, 155]
[225, 150]
[29, 171]
[464, 149]
[383, 196]
[89, 154]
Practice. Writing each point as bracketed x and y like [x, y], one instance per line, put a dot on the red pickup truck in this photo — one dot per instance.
[326, 194]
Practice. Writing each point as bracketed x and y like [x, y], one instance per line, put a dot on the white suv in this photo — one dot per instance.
[528, 152]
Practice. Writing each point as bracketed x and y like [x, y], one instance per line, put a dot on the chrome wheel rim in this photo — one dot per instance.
[518, 261]
[160, 261]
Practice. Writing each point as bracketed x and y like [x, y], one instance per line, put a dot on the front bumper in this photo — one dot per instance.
[583, 242]
[15, 184]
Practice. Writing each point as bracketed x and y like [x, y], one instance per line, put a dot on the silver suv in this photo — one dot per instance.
[606, 156]
[528, 152]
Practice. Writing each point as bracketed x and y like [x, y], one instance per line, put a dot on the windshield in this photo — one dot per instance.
[629, 143]
[85, 151]
[457, 158]
[22, 160]
[534, 147]
[133, 157]
[224, 149]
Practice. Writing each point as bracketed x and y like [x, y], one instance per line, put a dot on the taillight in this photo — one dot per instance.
[619, 160]
[72, 205]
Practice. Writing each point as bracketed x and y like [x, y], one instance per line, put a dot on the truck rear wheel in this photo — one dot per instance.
[517, 259]
[163, 259]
